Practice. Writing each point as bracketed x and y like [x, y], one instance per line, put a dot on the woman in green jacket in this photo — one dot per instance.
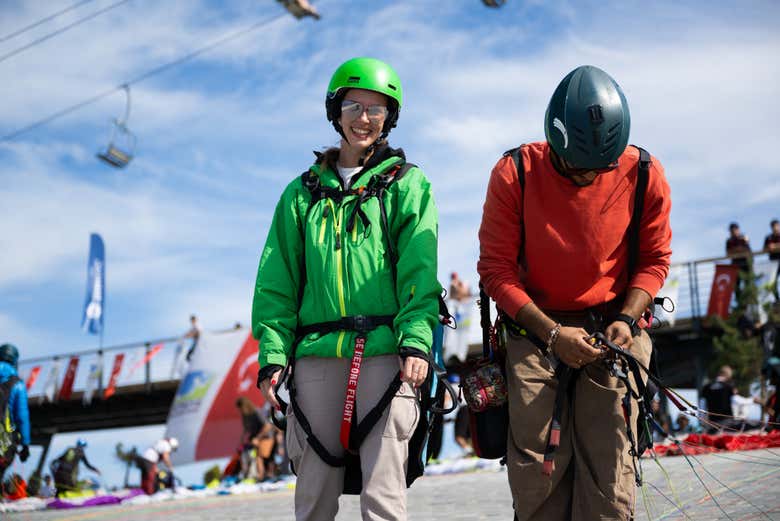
[346, 294]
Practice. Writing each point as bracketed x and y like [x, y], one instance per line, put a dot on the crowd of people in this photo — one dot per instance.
[739, 249]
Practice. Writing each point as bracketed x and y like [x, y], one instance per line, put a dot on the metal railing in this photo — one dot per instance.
[694, 283]
[167, 364]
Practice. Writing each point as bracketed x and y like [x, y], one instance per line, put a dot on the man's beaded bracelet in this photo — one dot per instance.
[552, 336]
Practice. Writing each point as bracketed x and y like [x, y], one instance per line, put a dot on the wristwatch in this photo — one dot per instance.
[628, 319]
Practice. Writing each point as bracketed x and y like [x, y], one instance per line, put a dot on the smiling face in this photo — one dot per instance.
[362, 130]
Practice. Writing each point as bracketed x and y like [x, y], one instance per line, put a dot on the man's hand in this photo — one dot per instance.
[620, 333]
[414, 370]
[24, 453]
[267, 388]
[572, 349]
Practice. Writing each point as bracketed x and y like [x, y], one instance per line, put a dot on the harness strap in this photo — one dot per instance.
[351, 438]
[352, 383]
[565, 376]
[643, 175]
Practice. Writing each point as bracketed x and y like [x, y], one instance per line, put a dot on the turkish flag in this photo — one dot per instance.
[722, 288]
[70, 376]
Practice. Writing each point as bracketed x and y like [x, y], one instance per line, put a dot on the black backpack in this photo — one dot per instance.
[9, 436]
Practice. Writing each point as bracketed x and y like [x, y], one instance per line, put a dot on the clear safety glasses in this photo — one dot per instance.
[352, 110]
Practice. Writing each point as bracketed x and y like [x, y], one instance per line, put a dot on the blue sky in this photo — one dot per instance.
[219, 137]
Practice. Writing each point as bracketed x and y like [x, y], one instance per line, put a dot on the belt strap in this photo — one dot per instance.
[359, 323]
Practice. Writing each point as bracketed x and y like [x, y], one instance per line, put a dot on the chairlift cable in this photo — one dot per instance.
[16, 133]
[43, 20]
[61, 30]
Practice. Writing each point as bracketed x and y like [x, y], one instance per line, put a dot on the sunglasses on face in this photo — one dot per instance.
[352, 110]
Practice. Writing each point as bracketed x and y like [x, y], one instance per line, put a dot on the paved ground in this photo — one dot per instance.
[753, 476]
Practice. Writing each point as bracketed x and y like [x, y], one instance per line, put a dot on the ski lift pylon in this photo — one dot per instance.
[300, 8]
[121, 145]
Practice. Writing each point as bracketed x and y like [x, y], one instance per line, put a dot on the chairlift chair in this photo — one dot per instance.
[494, 3]
[300, 8]
[121, 145]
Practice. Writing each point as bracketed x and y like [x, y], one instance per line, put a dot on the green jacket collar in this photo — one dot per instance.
[382, 159]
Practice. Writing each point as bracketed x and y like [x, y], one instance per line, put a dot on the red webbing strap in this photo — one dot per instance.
[351, 395]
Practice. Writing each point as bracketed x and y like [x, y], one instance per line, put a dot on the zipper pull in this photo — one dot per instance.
[338, 240]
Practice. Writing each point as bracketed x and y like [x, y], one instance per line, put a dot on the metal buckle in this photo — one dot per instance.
[361, 323]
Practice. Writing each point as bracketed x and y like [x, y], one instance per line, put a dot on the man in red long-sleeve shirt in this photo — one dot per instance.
[554, 255]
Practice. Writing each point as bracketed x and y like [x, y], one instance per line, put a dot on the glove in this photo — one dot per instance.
[24, 453]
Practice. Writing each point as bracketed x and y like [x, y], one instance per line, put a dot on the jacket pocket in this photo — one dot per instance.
[294, 442]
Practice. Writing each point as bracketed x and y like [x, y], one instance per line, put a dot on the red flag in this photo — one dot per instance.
[153, 351]
[33, 376]
[70, 376]
[722, 288]
[111, 389]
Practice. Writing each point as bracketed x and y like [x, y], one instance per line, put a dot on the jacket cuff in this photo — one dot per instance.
[273, 358]
[647, 282]
[407, 351]
[267, 372]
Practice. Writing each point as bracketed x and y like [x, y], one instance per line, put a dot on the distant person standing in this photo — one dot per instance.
[257, 440]
[15, 427]
[460, 305]
[147, 463]
[193, 333]
[47, 490]
[459, 288]
[772, 246]
[683, 425]
[738, 248]
[718, 395]
[65, 468]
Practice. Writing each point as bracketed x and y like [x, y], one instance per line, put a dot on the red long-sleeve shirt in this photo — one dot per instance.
[576, 247]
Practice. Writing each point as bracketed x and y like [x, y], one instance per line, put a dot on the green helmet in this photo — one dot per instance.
[9, 353]
[368, 74]
[587, 121]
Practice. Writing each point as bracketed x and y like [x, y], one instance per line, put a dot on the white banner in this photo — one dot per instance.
[179, 364]
[456, 341]
[670, 290]
[51, 387]
[765, 273]
[95, 375]
[204, 417]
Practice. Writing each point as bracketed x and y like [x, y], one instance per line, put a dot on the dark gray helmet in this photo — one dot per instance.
[587, 121]
[9, 353]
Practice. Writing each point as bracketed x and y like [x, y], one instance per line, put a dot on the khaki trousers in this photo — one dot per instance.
[321, 386]
[593, 477]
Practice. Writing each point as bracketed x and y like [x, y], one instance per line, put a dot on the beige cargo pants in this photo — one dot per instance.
[321, 385]
[593, 477]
